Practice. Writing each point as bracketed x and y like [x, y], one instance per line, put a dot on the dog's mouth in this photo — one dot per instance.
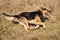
[47, 13]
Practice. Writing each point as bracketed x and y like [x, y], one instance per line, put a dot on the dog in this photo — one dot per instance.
[26, 19]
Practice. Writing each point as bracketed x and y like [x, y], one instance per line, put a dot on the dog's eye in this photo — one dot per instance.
[44, 8]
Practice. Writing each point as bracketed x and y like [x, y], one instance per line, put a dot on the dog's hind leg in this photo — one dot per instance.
[22, 23]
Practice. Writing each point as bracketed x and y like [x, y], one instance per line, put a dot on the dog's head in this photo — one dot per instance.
[45, 12]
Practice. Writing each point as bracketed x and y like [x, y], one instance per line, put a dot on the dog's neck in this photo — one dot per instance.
[41, 16]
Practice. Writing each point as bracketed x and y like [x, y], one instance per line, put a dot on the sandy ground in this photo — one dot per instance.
[10, 31]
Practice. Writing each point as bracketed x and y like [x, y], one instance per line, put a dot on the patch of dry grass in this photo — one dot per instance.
[10, 31]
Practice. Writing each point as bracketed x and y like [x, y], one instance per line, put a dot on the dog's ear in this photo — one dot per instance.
[43, 8]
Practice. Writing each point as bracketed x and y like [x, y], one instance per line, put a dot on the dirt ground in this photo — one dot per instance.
[11, 31]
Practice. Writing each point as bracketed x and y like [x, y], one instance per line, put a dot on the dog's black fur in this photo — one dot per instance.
[29, 15]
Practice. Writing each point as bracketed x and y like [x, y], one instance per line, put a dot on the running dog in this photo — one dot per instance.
[28, 18]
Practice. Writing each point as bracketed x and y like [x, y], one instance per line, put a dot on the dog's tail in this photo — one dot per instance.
[9, 17]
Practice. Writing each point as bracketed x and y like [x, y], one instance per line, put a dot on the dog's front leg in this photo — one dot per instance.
[43, 25]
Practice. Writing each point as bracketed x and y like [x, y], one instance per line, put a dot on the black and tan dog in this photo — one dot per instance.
[26, 18]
